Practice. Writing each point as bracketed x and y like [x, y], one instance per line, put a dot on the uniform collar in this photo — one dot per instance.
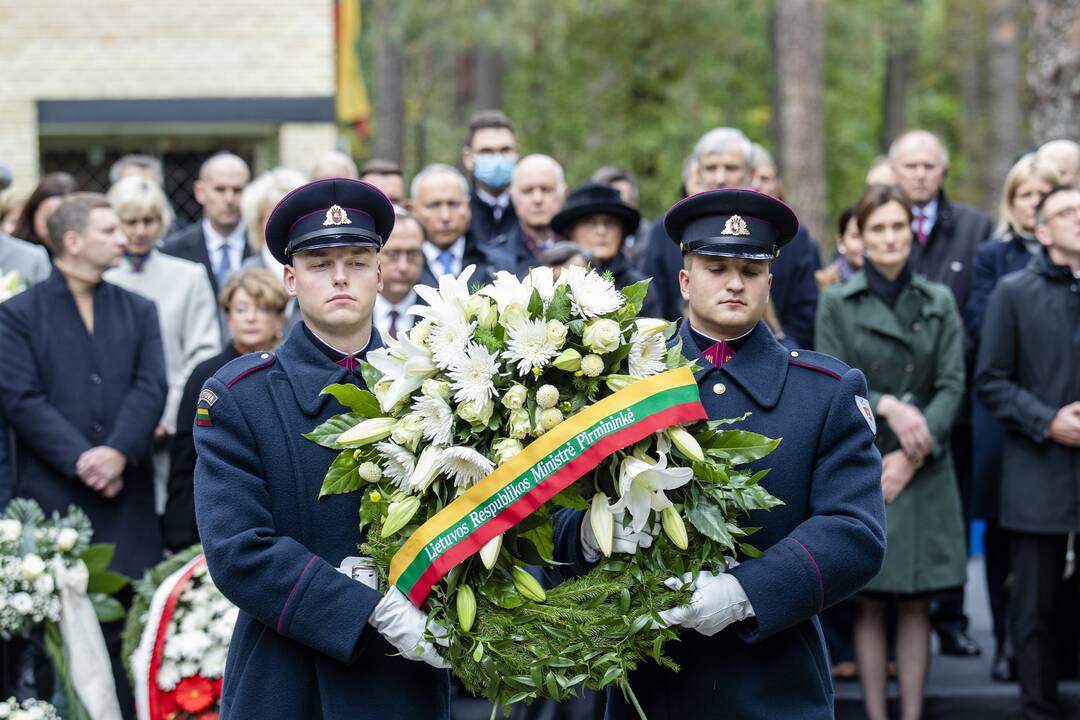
[759, 367]
[310, 369]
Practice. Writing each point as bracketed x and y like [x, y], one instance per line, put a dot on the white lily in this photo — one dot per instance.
[506, 290]
[449, 298]
[427, 468]
[406, 364]
[642, 485]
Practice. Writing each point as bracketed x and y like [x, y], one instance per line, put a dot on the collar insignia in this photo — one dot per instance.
[336, 215]
[735, 225]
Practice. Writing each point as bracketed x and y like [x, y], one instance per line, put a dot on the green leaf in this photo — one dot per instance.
[499, 590]
[541, 540]
[107, 609]
[674, 357]
[328, 432]
[559, 307]
[369, 511]
[569, 499]
[342, 477]
[361, 402]
[488, 339]
[536, 305]
[741, 446]
[107, 581]
[613, 673]
[98, 556]
[635, 294]
[750, 551]
[709, 521]
[369, 373]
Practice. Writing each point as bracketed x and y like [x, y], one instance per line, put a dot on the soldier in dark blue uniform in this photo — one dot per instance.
[752, 647]
[310, 642]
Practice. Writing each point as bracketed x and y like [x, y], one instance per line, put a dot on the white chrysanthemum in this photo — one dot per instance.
[474, 375]
[529, 346]
[591, 294]
[398, 463]
[191, 643]
[213, 663]
[168, 676]
[647, 355]
[436, 417]
[465, 466]
[448, 340]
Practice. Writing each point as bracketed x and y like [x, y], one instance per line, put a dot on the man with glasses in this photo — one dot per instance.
[1026, 376]
[401, 262]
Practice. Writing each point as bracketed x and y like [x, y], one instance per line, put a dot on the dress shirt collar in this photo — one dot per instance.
[501, 201]
[432, 252]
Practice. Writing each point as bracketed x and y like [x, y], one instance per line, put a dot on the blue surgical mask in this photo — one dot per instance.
[495, 170]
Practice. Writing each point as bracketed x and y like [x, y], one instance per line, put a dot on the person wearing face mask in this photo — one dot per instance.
[489, 155]
[1010, 249]
[181, 291]
[905, 333]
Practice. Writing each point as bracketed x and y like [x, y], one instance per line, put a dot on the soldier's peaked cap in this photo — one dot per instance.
[333, 212]
[731, 222]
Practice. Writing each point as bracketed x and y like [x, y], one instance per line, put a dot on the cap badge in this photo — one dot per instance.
[336, 215]
[735, 225]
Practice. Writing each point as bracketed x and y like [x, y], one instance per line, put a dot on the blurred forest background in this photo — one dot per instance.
[824, 84]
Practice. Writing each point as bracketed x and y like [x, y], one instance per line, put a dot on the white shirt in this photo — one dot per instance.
[928, 212]
[432, 252]
[380, 315]
[234, 242]
[497, 203]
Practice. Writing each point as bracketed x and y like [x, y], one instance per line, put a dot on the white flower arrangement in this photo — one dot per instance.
[31, 709]
[197, 639]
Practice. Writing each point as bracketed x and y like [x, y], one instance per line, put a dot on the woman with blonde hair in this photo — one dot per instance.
[259, 198]
[1008, 250]
[180, 289]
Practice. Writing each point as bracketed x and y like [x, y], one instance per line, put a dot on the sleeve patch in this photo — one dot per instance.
[868, 414]
[208, 396]
[202, 416]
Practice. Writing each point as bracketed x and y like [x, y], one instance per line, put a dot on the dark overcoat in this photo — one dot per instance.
[483, 224]
[913, 351]
[511, 253]
[64, 391]
[822, 545]
[993, 261]
[302, 647]
[1027, 369]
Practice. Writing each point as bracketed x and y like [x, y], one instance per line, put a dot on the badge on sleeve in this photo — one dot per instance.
[864, 407]
[207, 398]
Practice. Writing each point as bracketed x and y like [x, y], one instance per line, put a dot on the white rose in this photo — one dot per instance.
[31, 567]
[519, 424]
[592, 365]
[602, 335]
[506, 448]
[420, 331]
[22, 603]
[480, 308]
[515, 397]
[513, 314]
[436, 388]
[476, 415]
[550, 417]
[10, 531]
[556, 333]
[408, 431]
[547, 396]
[66, 539]
[44, 585]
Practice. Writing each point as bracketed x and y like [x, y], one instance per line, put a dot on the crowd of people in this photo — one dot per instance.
[967, 329]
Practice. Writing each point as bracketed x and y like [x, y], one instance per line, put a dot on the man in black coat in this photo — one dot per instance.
[537, 191]
[83, 384]
[1027, 377]
[489, 156]
[219, 240]
[946, 236]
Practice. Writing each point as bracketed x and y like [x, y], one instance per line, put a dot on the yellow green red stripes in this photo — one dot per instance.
[548, 465]
[202, 416]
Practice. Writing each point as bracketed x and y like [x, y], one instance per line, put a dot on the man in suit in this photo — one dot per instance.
[219, 240]
[752, 643]
[946, 235]
[537, 191]
[489, 156]
[401, 262]
[83, 384]
[310, 641]
[440, 200]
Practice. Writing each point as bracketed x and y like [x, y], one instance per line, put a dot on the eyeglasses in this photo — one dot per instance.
[250, 309]
[1069, 213]
[413, 257]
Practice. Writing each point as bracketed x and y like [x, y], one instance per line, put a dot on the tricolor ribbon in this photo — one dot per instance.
[547, 466]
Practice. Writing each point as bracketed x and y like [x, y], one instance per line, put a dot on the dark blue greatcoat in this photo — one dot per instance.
[822, 545]
[302, 647]
[64, 391]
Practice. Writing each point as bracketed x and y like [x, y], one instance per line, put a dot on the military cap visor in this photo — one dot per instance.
[731, 222]
[334, 212]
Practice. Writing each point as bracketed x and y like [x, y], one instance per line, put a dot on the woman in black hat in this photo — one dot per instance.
[596, 218]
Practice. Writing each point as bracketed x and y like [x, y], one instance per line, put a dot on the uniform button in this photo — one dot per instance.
[96, 427]
[264, 356]
[95, 378]
[794, 354]
[916, 326]
[719, 388]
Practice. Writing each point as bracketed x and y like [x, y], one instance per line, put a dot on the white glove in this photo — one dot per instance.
[624, 539]
[718, 601]
[403, 626]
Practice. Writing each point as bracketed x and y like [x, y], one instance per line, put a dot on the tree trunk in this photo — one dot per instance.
[1054, 69]
[1003, 94]
[799, 27]
[967, 37]
[388, 141]
[899, 62]
[488, 70]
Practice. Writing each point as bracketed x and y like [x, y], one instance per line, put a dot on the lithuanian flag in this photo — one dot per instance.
[353, 104]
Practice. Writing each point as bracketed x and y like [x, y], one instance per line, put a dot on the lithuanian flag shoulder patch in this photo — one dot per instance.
[207, 398]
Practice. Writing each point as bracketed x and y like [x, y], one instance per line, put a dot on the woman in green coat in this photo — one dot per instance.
[904, 332]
